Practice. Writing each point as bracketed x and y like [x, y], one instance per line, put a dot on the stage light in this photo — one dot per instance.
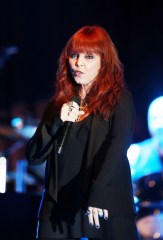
[27, 131]
[2, 174]
[17, 122]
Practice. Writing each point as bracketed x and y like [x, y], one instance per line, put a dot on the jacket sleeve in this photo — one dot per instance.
[114, 153]
[41, 144]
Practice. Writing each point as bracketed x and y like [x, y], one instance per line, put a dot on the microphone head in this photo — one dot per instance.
[76, 99]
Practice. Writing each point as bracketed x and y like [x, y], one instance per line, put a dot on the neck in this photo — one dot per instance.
[84, 90]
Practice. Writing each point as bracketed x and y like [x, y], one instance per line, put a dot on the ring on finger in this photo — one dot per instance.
[70, 109]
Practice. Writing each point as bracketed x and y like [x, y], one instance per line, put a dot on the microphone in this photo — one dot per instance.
[65, 129]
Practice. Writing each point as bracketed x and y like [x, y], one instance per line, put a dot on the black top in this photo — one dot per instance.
[70, 167]
[93, 169]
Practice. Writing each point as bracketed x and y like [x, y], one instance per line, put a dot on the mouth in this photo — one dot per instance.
[76, 73]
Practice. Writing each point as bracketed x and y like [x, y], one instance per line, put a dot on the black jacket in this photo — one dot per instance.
[107, 166]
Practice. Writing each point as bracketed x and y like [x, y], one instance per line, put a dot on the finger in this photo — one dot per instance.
[71, 106]
[75, 111]
[96, 217]
[106, 215]
[74, 115]
[64, 112]
[70, 111]
[70, 119]
[90, 216]
[100, 212]
[81, 112]
[87, 212]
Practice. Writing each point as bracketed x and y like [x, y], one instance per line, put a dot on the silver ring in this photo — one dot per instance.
[70, 109]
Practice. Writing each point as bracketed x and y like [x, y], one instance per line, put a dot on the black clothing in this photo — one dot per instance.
[92, 171]
[115, 228]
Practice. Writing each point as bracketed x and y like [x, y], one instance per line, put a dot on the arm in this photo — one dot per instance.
[116, 146]
[40, 145]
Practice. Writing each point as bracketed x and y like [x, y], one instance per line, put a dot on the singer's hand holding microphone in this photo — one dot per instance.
[70, 111]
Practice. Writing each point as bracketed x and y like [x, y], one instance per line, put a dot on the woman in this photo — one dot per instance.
[88, 190]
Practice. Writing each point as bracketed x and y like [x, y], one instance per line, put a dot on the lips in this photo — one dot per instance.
[76, 73]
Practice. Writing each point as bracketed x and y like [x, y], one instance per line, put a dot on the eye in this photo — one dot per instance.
[73, 55]
[89, 56]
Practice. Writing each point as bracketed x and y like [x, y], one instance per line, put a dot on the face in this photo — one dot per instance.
[84, 67]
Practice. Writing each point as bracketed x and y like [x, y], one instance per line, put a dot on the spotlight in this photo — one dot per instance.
[2, 174]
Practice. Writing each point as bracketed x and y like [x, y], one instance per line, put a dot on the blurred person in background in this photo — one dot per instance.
[146, 157]
[146, 161]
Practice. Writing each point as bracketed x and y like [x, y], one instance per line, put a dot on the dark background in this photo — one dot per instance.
[39, 29]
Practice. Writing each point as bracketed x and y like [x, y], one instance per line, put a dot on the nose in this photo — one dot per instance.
[79, 62]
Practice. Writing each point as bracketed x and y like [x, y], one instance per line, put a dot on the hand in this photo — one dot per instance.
[94, 214]
[70, 111]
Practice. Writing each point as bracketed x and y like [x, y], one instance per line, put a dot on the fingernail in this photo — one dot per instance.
[91, 224]
[106, 218]
[97, 226]
[82, 112]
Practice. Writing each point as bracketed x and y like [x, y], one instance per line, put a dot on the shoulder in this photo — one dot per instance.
[49, 112]
[125, 96]
[125, 102]
[124, 113]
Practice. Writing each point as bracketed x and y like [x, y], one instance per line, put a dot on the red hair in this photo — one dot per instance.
[107, 88]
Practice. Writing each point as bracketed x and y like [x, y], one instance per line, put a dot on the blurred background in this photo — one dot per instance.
[32, 35]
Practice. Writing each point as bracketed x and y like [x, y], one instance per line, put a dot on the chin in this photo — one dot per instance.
[79, 81]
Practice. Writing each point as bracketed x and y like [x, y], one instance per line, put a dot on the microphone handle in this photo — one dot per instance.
[66, 129]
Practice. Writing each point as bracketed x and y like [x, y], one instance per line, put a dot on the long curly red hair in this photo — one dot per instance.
[108, 86]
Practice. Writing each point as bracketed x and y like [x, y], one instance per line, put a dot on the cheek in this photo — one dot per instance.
[95, 70]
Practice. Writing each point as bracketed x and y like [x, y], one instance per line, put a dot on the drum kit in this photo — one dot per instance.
[23, 178]
[149, 192]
